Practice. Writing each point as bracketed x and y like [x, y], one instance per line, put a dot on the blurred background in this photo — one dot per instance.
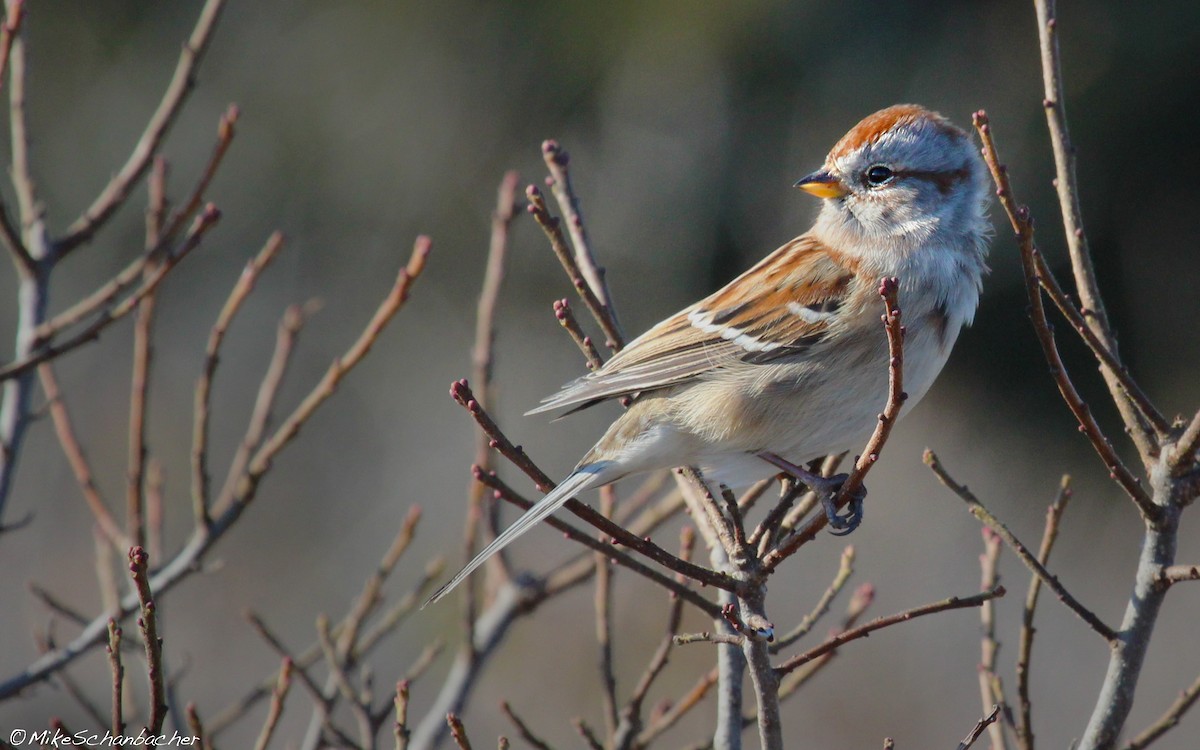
[364, 124]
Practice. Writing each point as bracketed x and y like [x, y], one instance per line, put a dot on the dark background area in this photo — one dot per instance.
[364, 124]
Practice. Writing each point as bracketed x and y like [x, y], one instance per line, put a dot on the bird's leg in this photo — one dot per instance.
[827, 490]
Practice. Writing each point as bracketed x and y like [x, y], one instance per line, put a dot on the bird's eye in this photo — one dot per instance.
[879, 175]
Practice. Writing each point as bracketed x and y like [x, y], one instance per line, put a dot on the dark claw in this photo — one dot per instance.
[841, 525]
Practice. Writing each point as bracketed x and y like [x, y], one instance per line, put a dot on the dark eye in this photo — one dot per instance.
[879, 175]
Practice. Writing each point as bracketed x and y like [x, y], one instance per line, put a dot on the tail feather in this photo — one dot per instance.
[581, 479]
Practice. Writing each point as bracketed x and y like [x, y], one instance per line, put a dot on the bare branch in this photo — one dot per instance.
[566, 318]
[617, 556]
[1024, 727]
[1184, 454]
[241, 290]
[557, 159]
[977, 732]
[990, 691]
[984, 516]
[845, 570]
[117, 725]
[1168, 720]
[79, 464]
[551, 225]
[148, 624]
[1022, 224]
[888, 290]
[400, 728]
[203, 223]
[187, 560]
[121, 185]
[523, 728]
[276, 709]
[458, 731]
[8, 233]
[838, 640]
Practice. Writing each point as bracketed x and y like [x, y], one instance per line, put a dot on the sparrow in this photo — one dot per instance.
[788, 362]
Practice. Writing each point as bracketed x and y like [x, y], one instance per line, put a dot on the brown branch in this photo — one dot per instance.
[557, 160]
[148, 625]
[143, 329]
[483, 361]
[1110, 364]
[888, 291]
[625, 736]
[117, 725]
[1169, 720]
[400, 728]
[977, 731]
[1024, 726]
[461, 392]
[1179, 573]
[121, 185]
[241, 290]
[196, 727]
[522, 727]
[1184, 454]
[566, 319]
[840, 639]
[552, 226]
[276, 709]
[203, 223]
[264, 404]
[984, 516]
[588, 735]
[990, 691]
[678, 709]
[603, 606]
[187, 560]
[298, 666]
[1022, 224]
[8, 233]
[73, 451]
[621, 558]
[458, 732]
[337, 672]
[225, 133]
[845, 570]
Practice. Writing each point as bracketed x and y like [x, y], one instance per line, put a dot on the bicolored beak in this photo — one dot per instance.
[822, 184]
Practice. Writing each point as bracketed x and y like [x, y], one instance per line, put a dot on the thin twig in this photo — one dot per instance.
[187, 560]
[241, 290]
[1024, 726]
[557, 160]
[203, 223]
[1183, 456]
[117, 725]
[400, 728]
[148, 624]
[587, 733]
[121, 185]
[462, 394]
[840, 639]
[73, 451]
[8, 233]
[845, 570]
[984, 516]
[1022, 224]
[458, 732]
[482, 362]
[617, 556]
[196, 726]
[276, 709]
[977, 731]
[990, 692]
[337, 672]
[566, 318]
[523, 728]
[1169, 720]
[552, 226]
[678, 709]
[603, 606]
[889, 288]
[286, 334]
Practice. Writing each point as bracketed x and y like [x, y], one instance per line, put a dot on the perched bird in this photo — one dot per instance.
[788, 362]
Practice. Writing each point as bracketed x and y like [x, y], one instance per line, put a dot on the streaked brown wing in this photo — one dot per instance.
[778, 308]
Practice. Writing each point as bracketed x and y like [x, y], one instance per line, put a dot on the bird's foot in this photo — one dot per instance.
[827, 490]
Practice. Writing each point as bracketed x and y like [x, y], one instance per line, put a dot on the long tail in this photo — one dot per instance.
[581, 479]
